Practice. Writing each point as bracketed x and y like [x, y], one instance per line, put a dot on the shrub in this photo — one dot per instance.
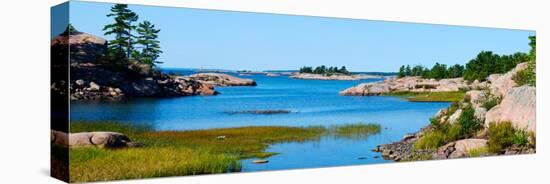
[491, 102]
[478, 152]
[524, 77]
[500, 136]
[521, 137]
[431, 140]
[469, 124]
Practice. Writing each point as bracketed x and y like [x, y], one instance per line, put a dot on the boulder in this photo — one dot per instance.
[501, 83]
[462, 147]
[100, 139]
[480, 112]
[220, 79]
[518, 107]
[454, 118]
[476, 97]
[59, 138]
[458, 149]
[94, 86]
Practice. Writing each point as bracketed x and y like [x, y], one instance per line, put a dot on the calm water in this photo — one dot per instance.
[312, 102]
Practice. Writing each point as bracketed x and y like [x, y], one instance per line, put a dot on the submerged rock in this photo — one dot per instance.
[260, 161]
[268, 112]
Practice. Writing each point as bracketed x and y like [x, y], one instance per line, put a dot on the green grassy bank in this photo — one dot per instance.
[453, 96]
[177, 153]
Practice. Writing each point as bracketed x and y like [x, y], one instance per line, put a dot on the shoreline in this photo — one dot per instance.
[215, 150]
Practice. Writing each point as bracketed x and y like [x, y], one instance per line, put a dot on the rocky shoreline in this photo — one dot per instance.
[310, 76]
[92, 78]
[517, 105]
[411, 84]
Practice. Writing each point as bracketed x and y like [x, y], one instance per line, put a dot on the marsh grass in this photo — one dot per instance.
[178, 153]
[356, 131]
[453, 96]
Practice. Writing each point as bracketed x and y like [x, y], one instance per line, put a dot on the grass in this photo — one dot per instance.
[483, 151]
[443, 133]
[177, 153]
[503, 135]
[356, 131]
[453, 96]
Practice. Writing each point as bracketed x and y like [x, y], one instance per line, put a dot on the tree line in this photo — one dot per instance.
[479, 68]
[131, 42]
[438, 71]
[324, 70]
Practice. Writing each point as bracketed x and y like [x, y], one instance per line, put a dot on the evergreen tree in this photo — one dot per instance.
[455, 71]
[408, 71]
[147, 39]
[401, 72]
[122, 46]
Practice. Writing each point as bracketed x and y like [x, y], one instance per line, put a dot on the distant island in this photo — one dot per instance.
[329, 73]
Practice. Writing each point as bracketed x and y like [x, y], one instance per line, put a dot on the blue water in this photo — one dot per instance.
[312, 102]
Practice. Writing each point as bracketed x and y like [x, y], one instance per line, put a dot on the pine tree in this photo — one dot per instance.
[401, 72]
[122, 46]
[150, 46]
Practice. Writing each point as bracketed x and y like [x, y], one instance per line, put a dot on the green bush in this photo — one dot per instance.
[524, 77]
[431, 140]
[521, 137]
[491, 102]
[500, 135]
[469, 124]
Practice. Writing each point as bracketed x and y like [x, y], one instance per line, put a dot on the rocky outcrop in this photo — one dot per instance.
[99, 139]
[408, 84]
[166, 86]
[84, 47]
[311, 76]
[459, 149]
[93, 79]
[501, 83]
[506, 102]
[518, 106]
[220, 79]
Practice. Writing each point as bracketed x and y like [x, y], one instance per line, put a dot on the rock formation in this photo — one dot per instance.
[92, 78]
[310, 76]
[220, 79]
[85, 139]
[409, 84]
[517, 105]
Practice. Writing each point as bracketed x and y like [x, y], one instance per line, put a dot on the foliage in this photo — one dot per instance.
[469, 124]
[356, 131]
[438, 71]
[453, 96]
[500, 135]
[483, 151]
[487, 63]
[143, 46]
[490, 102]
[529, 76]
[177, 153]
[150, 46]
[324, 70]
[431, 140]
[121, 47]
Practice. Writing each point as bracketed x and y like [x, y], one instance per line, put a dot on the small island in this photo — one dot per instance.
[330, 73]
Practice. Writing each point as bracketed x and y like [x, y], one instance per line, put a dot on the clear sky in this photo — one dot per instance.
[193, 38]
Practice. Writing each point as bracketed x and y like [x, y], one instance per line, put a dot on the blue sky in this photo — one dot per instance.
[193, 38]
